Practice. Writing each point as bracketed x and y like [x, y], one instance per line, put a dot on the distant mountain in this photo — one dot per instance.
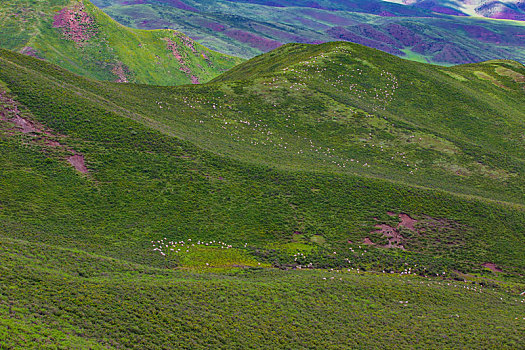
[423, 31]
[506, 9]
[78, 36]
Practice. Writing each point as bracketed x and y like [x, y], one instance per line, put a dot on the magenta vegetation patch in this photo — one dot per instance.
[253, 40]
[76, 24]
[216, 27]
[29, 51]
[328, 17]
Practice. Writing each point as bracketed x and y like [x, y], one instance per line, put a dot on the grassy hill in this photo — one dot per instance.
[78, 36]
[137, 216]
[426, 31]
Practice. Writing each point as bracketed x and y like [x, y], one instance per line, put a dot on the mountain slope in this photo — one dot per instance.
[360, 131]
[248, 28]
[136, 216]
[506, 9]
[78, 36]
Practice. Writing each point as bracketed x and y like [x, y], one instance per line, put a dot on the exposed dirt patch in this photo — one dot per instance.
[120, 71]
[186, 41]
[29, 51]
[395, 239]
[178, 52]
[52, 143]
[407, 222]
[194, 79]
[76, 24]
[428, 233]
[367, 241]
[77, 161]
[174, 48]
[492, 267]
[24, 125]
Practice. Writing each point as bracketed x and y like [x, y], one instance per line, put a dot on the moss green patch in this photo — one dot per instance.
[455, 76]
[485, 76]
[318, 239]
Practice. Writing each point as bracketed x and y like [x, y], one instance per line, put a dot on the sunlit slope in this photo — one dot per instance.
[77, 36]
[346, 108]
[225, 162]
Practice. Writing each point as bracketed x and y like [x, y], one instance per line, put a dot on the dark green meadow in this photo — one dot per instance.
[279, 173]
[62, 298]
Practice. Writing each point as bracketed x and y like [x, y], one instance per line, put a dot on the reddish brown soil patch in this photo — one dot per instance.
[76, 24]
[422, 234]
[120, 71]
[194, 79]
[407, 222]
[53, 143]
[492, 267]
[186, 41]
[174, 47]
[367, 241]
[24, 125]
[395, 239]
[77, 161]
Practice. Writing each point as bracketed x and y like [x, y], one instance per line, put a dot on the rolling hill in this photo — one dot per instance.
[314, 196]
[425, 31]
[78, 36]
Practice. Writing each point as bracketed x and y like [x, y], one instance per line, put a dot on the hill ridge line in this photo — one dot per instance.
[167, 131]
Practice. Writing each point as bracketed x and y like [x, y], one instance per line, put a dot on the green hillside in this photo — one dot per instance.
[388, 192]
[76, 35]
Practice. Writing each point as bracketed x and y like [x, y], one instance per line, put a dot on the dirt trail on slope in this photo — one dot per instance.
[11, 113]
[492, 267]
